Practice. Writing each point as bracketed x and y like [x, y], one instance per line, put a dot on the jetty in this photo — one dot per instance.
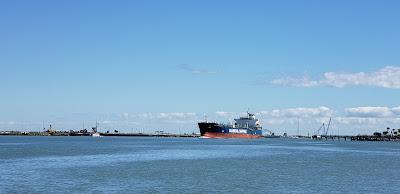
[149, 135]
[356, 137]
[86, 133]
[389, 134]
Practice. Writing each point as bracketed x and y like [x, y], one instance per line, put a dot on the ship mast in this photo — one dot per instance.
[298, 127]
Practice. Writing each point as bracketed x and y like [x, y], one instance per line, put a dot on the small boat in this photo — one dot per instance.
[94, 132]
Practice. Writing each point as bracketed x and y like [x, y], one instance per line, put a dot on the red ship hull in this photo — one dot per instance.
[230, 135]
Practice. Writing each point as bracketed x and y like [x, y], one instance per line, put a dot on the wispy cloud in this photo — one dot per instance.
[304, 81]
[195, 70]
[363, 119]
[301, 112]
[164, 115]
[373, 112]
[387, 77]
[369, 117]
[226, 114]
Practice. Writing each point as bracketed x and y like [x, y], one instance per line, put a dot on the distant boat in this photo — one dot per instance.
[272, 136]
[94, 132]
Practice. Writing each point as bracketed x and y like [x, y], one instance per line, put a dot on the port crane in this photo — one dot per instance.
[324, 130]
[329, 124]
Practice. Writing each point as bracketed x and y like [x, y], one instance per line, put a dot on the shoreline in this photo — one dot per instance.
[61, 133]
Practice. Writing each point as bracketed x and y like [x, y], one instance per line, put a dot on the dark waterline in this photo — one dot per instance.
[193, 165]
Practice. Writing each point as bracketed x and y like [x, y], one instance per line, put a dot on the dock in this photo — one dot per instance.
[356, 137]
[84, 133]
[148, 135]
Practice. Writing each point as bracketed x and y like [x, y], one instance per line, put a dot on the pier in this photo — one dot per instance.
[148, 135]
[85, 133]
[356, 137]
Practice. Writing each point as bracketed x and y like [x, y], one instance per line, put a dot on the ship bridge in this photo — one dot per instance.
[248, 122]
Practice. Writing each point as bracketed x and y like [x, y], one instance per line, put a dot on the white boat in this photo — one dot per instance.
[94, 131]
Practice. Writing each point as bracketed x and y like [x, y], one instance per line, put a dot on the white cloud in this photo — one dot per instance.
[351, 120]
[274, 121]
[222, 113]
[366, 121]
[195, 70]
[125, 115]
[109, 122]
[387, 77]
[227, 114]
[165, 115]
[174, 115]
[321, 111]
[396, 110]
[7, 123]
[369, 117]
[296, 82]
[368, 111]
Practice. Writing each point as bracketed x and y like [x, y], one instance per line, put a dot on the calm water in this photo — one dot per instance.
[179, 165]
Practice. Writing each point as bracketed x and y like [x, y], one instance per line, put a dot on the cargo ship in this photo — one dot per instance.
[243, 127]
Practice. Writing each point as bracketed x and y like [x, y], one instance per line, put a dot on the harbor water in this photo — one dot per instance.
[194, 165]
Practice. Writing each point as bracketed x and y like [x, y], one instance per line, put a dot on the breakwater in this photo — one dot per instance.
[73, 133]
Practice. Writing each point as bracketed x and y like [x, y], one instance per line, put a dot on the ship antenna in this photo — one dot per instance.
[205, 117]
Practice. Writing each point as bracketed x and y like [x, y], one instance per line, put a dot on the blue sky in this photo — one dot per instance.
[164, 64]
